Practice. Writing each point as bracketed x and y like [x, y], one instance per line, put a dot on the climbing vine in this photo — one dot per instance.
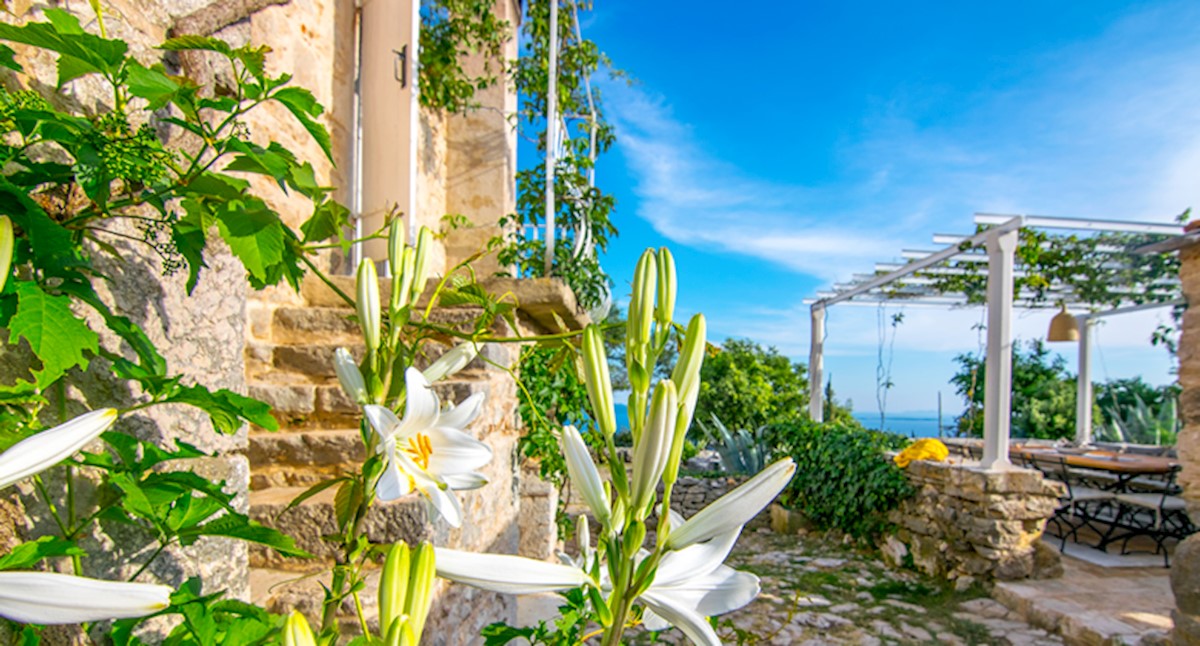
[451, 30]
[581, 208]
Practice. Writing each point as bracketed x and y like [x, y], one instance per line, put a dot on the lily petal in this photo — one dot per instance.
[383, 420]
[678, 614]
[51, 598]
[455, 451]
[445, 503]
[465, 481]
[462, 415]
[716, 593]
[349, 376]
[584, 474]
[421, 404]
[695, 560]
[393, 483]
[37, 453]
[735, 508]
[451, 362]
[507, 574]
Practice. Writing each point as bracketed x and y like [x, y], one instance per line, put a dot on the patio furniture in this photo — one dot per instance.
[1159, 516]
[1081, 506]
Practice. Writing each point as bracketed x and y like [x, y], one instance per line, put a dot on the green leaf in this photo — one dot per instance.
[54, 333]
[188, 234]
[226, 408]
[193, 43]
[54, 250]
[312, 491]
[254, 234]
[7, 59]
[151, 84]
[80, 52]
[239, 526]
[26, 555]
[328, 220]
[304, 106]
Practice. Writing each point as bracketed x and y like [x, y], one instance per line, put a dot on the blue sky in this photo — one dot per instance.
[780, 148]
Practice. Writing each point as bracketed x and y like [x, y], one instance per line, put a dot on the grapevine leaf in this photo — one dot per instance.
[54, 333]
[301, 103]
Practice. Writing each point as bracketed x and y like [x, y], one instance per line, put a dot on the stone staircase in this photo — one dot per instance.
[289, 365]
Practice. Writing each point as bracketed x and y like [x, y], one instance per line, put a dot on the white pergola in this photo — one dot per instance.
[895, 283]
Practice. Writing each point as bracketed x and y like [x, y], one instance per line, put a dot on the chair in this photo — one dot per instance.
[1081, 506]
[1160, 516]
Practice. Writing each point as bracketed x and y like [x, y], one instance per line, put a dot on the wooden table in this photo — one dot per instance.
[1124, 466]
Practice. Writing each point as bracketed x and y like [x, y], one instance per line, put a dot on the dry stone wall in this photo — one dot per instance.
[1185, 565]
[968, 524]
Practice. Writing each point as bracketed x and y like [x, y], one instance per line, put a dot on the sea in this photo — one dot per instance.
[907, 424]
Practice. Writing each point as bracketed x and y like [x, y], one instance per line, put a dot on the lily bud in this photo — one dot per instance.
[6, 249]
[735, 508]
[583, 537]
[349, 376]
[296, 631]
[653, 446]
[583, 473]
[396, 237]
[665, 312]
[368, 303]
[422, 262]
[37, 453]
[393, 583]
[402, 282]
[50, 598]
[599, 386]
[420, 589]
[687, 375]
[451, 362]
[641, 305]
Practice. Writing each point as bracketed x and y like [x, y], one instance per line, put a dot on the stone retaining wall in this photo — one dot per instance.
[967, 524]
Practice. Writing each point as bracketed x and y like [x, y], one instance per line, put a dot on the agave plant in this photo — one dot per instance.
[742, 452]
[1138, 424]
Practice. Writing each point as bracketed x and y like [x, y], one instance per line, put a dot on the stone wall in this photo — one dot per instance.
[1185, 565]
[967, 524]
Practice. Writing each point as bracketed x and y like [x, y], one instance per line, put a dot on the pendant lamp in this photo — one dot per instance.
[1063, 327]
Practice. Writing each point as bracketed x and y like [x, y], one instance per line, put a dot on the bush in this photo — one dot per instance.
[843, 479]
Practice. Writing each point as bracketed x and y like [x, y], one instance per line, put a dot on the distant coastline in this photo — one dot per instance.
[913, 424]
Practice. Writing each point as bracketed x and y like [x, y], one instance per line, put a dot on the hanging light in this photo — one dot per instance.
[1063, 327]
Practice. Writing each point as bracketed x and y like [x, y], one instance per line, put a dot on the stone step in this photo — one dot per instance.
[303, 459]
[404, 519]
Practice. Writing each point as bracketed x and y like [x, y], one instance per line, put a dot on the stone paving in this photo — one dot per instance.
[817, 590]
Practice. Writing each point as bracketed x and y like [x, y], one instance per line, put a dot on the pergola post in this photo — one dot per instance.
[997, 399]
[1083, 393]
[816, 365]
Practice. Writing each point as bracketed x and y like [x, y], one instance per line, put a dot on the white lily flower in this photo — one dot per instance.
[451, 362]
[583, 473]
[735, 508]
[693, 584]
[428, 450]
[506, 573]
[51, 598]
[37, 453]
[349, 376]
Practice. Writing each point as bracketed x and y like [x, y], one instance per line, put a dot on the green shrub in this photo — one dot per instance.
[843, 479]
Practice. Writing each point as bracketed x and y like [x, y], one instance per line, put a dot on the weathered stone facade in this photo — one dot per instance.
[1185, 565]
[965, 523]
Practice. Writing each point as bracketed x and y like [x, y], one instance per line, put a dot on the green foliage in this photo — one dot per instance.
[742, 452]
[843, 479]
[747, 386]
[450, 31]
[581, 207]
[554, 396]
[1043, 394]
[207, 619]
[567, 630]
[1139, 424]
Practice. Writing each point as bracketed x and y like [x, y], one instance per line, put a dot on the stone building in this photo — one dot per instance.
[1185, 566]
[277, 344]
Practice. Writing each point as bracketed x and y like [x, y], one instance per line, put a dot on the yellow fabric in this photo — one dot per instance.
[926, 449]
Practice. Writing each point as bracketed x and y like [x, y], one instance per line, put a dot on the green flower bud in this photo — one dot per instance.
[368, 303]
[665, 312]
[652, 448]
[599, 386]
[421, 265]
[296, 631]
[641, 305]
[396, 247]
[393, 583]
[687, 375]
[420, 589]
[6, 249]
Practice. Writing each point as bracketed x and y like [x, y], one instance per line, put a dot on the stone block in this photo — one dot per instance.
[285, 400]
[538, 529]
[312, 361]
[322, 325]
[1185, 576]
